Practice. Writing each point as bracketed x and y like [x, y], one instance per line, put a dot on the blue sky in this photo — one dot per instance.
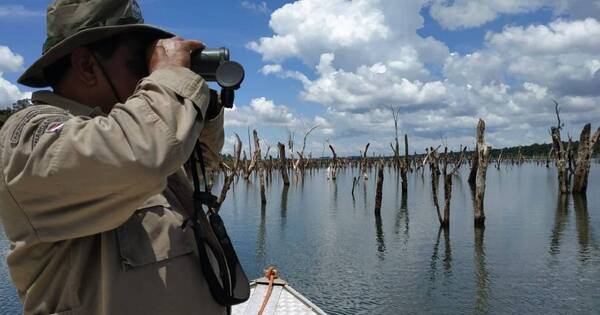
[342, 64]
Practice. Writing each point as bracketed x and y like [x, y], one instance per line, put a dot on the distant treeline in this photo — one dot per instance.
[527, 151]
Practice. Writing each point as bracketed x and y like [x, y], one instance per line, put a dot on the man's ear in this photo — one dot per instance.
[83, 65]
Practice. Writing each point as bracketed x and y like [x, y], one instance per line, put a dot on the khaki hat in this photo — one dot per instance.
[75, 23]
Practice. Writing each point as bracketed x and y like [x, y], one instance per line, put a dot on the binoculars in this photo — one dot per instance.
[213, 64]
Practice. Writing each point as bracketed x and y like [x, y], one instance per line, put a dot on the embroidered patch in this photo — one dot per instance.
[16, 134]
[49, 125]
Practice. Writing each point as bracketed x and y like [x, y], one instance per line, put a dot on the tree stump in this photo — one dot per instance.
[483, 156]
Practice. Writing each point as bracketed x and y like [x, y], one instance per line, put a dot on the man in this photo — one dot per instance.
[93, 195]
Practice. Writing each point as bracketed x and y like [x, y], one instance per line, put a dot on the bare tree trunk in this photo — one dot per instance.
[483, 155]
[405, 166]
[237, 148]
[561, 160]
[548, 158]
[334, 163]
[582, 170]
[561, 154]
[448, 189]
[379, 188]
[363, 163]
[435, 179]
[283, 166]
[474, 166]
[259, 168]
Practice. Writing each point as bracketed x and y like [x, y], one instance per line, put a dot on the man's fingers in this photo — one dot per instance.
[195, 45]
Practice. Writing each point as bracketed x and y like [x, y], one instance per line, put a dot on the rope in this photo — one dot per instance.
[271, 274]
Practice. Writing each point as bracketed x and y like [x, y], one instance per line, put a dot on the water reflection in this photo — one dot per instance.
[284, 205]
[402, 219]
[585, 237]
[435, 257]
[482, 275]
[379, 236]
[560, 220]
[261, 246]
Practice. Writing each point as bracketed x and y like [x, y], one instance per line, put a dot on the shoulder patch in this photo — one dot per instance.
[16, 134]
[52, 124]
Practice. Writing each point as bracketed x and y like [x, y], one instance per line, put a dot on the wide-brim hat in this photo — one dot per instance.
[75, 23]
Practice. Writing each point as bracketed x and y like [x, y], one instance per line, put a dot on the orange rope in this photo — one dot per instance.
[271, 274]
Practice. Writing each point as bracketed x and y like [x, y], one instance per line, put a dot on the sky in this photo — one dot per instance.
[344, 65]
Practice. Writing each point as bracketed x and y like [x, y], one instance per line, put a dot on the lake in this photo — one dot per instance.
[538, 253]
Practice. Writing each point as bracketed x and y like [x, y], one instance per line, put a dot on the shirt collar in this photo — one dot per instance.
[75, 108]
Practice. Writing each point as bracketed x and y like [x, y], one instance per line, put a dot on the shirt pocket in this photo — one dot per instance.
[152, 234]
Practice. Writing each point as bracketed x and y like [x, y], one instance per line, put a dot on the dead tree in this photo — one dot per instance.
[560, 153]
[299, 165]
[229, 176]
[499, 160]
[405, 166]
[448, 187]
[363, 163]
[283, 164]
[259, 168]
[584, 155]
[483, 156]
[334, 164]
[548, 158]
[396, 146]
[379, 187]
[474, 166]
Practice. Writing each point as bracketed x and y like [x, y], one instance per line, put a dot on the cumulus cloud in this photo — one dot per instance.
[467, 13]
[510, 81]
[260, 111]
[10, 62]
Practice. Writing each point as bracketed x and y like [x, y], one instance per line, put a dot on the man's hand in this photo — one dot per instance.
[171, 52]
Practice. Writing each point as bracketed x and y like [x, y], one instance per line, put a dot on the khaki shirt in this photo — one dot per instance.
[93, 204]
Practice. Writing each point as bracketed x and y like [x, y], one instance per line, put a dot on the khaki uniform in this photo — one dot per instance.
[94, 204]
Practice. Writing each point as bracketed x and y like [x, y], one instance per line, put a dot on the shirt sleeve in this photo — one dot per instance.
[211, 139]
[80, 176]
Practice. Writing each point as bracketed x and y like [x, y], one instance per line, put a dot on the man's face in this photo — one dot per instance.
[125, 68]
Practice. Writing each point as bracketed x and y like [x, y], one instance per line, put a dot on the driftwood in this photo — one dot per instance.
[483, 155]
[584, 155]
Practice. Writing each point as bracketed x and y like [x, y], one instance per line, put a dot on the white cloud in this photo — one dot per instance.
[258, 7]
[9, 93]
[468, 13]
[9, 62]
[510, 81]
[9, 10]
[305, 27]
[260, 111]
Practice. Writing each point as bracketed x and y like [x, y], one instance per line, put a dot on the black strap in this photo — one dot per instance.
[223, 294]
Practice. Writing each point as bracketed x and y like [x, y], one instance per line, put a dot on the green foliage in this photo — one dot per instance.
[16, 106]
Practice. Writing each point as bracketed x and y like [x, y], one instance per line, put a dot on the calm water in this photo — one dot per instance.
[537, 254]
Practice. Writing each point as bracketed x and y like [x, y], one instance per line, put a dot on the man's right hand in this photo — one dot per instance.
[171, 52]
